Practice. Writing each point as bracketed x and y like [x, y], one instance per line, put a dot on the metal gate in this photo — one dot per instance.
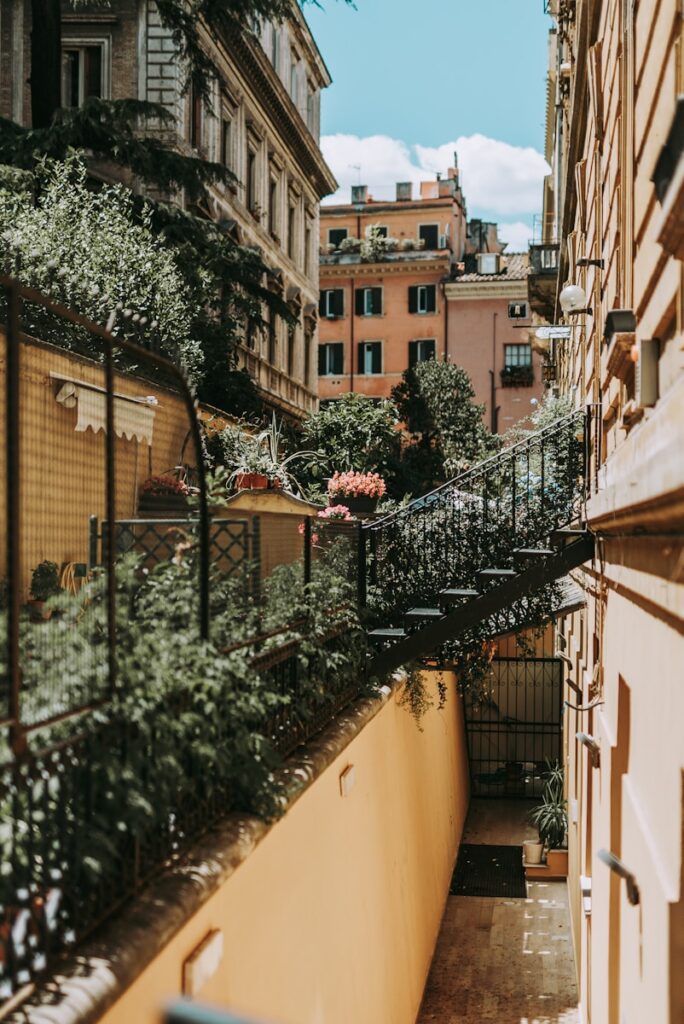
[516, 728]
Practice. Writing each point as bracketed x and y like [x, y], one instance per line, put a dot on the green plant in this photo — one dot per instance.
[415, 696]
[45, 581]
[550, 816]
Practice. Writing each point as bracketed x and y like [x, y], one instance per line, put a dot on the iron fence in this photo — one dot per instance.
[513, 500]
[110, 765]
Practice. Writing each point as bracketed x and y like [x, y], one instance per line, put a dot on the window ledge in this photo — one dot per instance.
[619, 355]
[670, 230]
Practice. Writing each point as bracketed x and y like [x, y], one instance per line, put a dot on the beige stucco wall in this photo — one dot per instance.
[333, 918]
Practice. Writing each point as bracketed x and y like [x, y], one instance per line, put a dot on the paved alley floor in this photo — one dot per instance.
[503, 961]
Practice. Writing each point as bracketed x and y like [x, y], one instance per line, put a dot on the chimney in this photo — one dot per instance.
[359, 194]
[404, 191]
[429, 190]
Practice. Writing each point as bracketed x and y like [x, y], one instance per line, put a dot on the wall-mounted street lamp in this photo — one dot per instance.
[573, 300]
[584, 261]
[592, 746]
[618, 868]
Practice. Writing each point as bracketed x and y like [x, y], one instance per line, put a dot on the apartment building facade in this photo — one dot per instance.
[615, 200]
[264, 125]
[413, 279]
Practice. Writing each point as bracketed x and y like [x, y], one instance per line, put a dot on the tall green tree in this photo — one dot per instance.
[435, 400]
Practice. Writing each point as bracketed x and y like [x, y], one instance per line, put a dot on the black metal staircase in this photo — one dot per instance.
[481, 549]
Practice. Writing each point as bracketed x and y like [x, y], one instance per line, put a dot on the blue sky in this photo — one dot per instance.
[415, 78]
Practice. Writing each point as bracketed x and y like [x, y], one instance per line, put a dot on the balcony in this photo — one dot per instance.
[543, 277]
[517, 376]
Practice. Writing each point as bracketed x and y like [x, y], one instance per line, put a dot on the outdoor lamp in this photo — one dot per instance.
[573, 300]
[617, 866]
[592, 746]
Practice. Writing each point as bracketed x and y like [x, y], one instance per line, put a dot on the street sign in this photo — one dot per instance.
[559, 332]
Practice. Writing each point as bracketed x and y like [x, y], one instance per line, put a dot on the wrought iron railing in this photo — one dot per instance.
[512, 500]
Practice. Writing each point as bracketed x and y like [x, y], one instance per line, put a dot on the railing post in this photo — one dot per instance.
[110, 449]
[256, 557]
[13, 491]
[361, 567]
[92, 543]
[307, 550]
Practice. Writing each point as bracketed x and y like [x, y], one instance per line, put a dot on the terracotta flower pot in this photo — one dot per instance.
[251, 482]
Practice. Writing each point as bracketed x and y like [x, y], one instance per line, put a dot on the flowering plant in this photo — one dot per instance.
[356, 485]
[335, 512]
[164, 485]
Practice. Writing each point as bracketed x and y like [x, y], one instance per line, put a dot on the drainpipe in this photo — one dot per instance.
[446, 322]
[352, 319]
[494, 417]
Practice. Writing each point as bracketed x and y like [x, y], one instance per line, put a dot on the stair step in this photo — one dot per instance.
[558, 537]
[418, 614]
[387, 633]
[497, 574]
[455, 594]
[529, 554]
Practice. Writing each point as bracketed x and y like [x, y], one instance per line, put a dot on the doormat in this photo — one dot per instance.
[489, 871]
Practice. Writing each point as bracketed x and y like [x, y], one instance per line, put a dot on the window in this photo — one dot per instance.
[517, 355]
[369, 301]
[195, 118]
[273, 207]
[331, 359]
[227, 143]
[370, 357]
[291, 231]
[307, 250]
[307, 357]
[311, 107]
[250, 199]
[518, 311]
[422, 298]
[331, 303]
[272, 338]
[82, 73]
[294, 80]
[291, 349]
[421, 351]
[430, 235]
[337, 235]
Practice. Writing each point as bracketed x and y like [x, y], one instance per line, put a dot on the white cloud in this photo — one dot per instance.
[518, 235]
[496, 177]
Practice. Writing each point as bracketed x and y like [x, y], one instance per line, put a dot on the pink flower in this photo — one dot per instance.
[356, 485]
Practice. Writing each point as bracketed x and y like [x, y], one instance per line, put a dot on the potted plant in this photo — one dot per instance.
[360, 492]
[260, 464]
[551, 818]
[44, 585]
[164, 493]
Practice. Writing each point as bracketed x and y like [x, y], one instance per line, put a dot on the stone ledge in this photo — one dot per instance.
[85, 984]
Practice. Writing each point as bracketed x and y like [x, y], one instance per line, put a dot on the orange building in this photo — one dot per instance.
[383, 268]
[412, 279]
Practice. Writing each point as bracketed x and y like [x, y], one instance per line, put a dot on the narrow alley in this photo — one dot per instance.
[501, 960]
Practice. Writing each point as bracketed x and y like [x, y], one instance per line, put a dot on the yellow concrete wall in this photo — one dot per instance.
[334, 917]
[63, 472]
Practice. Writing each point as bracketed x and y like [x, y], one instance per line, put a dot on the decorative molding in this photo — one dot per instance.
[338, 270]
[496, 289]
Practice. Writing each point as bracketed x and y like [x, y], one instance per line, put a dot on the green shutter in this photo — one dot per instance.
[413, 298]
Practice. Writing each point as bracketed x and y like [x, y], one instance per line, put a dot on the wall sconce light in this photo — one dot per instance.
[584, 261]
[618, 868]
[573, 300]
[592, 746]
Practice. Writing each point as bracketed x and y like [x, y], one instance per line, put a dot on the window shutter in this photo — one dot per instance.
[338, 302]
[321, 303]
[413, 298]
[321, 360]
[377, 300]
[360, 351]
[413, 354]
[377, 358]
[338, 359]
[431, 298]
[359, 301]
[430, 349]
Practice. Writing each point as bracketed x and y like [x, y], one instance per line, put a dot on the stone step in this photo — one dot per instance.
[497, 574]
[423, 614]
[387, 633]
[455, 594]
[521, 555]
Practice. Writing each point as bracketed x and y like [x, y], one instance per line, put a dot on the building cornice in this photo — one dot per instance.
[366, 209]
[486, 289]
[383, 269]
[271, 93]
